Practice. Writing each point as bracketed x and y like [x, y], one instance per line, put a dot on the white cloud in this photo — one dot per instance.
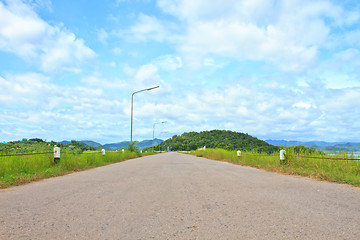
[213, 63]
[66, 51]
[302, 105]
[25, 89]
[340, 70]
[53, 48]
[146, 72]
[149, 75]
[198, 9]
[350, 38]
[246, 42]
[168, 62]
[36, 107]
[230, 92]
[149, 27]
[344, 102]
[285, 33]
[258, 110]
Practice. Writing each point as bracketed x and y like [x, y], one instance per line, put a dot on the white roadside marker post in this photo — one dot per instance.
[282, 156]
[56, 155]
[238, 153]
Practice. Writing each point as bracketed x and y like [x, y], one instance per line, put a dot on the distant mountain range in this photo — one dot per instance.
[329, 146]
[92, 144]
[115, 146]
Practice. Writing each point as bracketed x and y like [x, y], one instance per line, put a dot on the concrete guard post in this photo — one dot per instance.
[56, 155]
[282, 156]
[238, 153]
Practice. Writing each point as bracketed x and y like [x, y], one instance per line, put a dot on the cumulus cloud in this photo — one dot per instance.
[149, 28]
[24, 89]
[24, 33]
[35, 106]
[31, 101]
[303, 113]
[147, 75]
[287, 34]
[236, 43]
[339, 70]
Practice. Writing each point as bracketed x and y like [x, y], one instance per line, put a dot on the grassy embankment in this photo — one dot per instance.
[16, 170]
[340, 171]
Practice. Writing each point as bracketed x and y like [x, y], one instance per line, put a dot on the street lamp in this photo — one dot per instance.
[132, 106]
[154, 132]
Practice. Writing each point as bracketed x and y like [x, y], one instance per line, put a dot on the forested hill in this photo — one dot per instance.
[218, 139]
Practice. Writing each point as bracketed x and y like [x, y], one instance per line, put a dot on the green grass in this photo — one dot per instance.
[16, 170]
[340, 171]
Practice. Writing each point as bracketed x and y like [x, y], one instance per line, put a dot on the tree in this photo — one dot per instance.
[132, 146]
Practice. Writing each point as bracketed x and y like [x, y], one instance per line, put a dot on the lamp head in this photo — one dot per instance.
[152, 88]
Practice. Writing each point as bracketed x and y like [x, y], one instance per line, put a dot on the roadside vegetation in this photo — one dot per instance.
[16, 170]
[219, 145]
[340, 171]
[37, 145]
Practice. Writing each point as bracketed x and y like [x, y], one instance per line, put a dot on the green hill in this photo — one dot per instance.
[92, 144]
[116, 146]
[218, 139]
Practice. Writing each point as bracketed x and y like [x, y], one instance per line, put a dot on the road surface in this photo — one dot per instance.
[177, 196]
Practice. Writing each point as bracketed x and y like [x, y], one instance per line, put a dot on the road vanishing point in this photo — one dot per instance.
[179, 196]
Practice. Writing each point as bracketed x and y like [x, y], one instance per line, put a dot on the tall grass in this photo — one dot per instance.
[17, 170]
[340, 171]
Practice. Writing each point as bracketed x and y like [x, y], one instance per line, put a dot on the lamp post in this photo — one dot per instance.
[154, 132]
[132, 106]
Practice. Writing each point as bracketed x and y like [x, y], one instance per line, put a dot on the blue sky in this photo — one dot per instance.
[275, 69]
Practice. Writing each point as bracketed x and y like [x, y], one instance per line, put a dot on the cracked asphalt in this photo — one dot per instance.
[178, 196]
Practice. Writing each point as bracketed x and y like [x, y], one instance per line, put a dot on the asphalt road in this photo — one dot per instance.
[176, 196]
